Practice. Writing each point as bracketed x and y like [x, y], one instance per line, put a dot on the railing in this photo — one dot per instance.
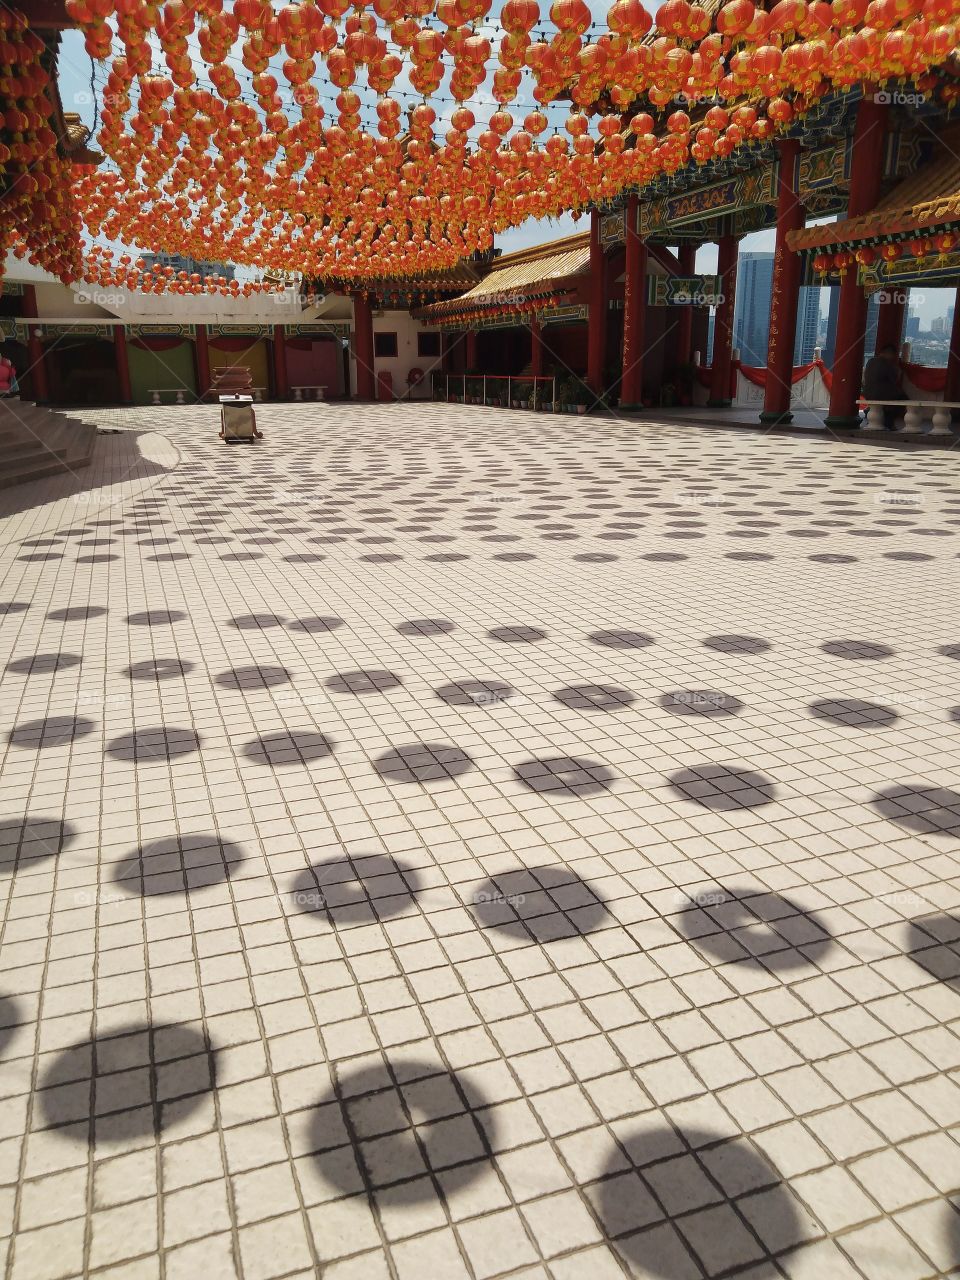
[509, 391]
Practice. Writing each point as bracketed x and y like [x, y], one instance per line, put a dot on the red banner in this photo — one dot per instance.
[758, 376]
[933, 380]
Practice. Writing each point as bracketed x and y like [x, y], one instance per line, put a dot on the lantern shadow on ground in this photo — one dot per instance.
[696, 1204]
[357, 888]
[27, 840]
[401, 1131]
[765, 929]
[924, 810]
[539, 904]
[133, 1082]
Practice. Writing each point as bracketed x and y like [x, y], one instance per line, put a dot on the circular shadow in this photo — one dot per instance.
[595, 697]
[314, 625]
[54, 731]
[949, 651]
[539, 904]
[854, 713]
[127, 1084]
[700, 702]
[856, 650]
[565, 775]
[155, 617]
[423, 762]
[251, 679]
[404, 1121]
[361, 682]
[737, 644]
[37, 664]
[256, 621]
[12, 1017]
[426, 627]
[687, 1168]
[357, 889]
[79, 613]
[27, 839]
[160, 669]
[13, 606]
[474, 693]
[723, 788]
[162, 742]
[288, 747]
[177, 865]
[517, 635]
[760, 928]
[928, 811]
[620, 639]
[933, 941]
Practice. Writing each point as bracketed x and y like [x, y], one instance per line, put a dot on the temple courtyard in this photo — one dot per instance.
[445, 843]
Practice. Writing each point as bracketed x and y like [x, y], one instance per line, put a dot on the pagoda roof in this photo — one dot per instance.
[521, 272]
[923, 201]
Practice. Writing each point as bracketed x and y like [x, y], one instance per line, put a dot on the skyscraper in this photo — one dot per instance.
[751, 315]
[808, 324]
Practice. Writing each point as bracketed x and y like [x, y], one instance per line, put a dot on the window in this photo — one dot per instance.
[384, 344]
[428, 344]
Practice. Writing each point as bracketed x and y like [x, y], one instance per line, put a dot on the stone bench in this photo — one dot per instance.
[156, 395]
[939, 414]
[298, 392]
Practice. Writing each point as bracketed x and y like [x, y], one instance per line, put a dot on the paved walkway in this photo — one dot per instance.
[443, 842]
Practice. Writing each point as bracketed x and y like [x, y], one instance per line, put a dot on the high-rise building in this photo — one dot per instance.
[830, 343]
[938, 326]
[751, 315]
[913, 327]
[808, 324]
[193, 266]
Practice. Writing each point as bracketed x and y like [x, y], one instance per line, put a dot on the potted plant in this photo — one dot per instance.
[668, 396]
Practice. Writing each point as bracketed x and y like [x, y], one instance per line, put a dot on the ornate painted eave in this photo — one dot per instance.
[927, 200]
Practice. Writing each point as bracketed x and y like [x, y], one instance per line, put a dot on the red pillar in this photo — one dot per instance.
[683, 333]
[38, 368]
[785, 300]
[470, 350]
[866, 174]
[280, 383]
[721, 372]
[123, 363]
[890, 314]
[363, 345]
[536, 349]
[952, 391]
[201, 353]
[634, 309]
[597, 326]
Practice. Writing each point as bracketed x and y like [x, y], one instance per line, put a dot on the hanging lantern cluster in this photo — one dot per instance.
[38, 218]
[275, 138]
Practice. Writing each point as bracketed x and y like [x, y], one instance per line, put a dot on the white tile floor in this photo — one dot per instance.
[442, 842]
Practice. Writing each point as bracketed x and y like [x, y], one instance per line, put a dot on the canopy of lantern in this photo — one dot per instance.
[277, 137]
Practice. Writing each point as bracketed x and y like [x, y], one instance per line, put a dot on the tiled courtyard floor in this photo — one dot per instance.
[443, 842]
